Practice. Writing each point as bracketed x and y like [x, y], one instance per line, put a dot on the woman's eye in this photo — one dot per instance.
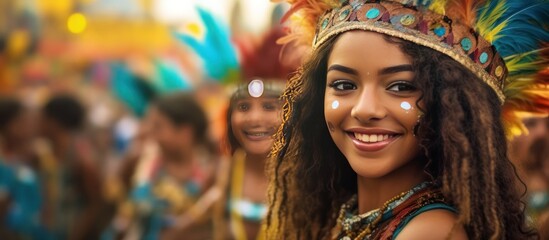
[243, 107]
[269, 106]
[402, 86]
[342, 85]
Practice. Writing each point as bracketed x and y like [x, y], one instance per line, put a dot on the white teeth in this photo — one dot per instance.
[371, 138]
[257, 134]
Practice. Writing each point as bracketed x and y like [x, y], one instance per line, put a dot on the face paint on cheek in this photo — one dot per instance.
[335, 104]
[406, 106]
[331, 126]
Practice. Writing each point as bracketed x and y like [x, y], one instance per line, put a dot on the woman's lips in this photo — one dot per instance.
[372, 142]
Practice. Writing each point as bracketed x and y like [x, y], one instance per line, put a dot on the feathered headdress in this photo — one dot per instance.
[262, 62]
[215, 48]
[500, 40]
[230, 61]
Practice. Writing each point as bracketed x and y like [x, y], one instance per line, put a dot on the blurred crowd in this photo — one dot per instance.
[62, 179]
[153, 143]
[117, 125]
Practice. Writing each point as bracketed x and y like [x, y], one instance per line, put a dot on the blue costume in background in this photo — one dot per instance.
[21, 186]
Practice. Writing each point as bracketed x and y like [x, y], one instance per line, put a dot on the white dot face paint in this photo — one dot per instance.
[406, 106]
[335, 104]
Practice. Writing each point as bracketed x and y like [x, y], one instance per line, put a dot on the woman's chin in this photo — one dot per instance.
[258, 150]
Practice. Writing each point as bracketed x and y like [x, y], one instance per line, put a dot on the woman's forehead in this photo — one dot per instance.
[264, 98]
[357, 48]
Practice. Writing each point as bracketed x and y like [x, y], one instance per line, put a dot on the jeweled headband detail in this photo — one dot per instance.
[259, 88]
[422, 27]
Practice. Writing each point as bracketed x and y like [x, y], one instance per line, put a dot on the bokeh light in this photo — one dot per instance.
[77, 23]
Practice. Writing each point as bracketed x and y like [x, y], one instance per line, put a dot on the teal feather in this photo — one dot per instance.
[522, 20]
[523, 26]
[135, 93]
[216, 49]
[170, 78]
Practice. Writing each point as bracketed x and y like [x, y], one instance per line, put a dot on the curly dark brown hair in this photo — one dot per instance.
[460, 133]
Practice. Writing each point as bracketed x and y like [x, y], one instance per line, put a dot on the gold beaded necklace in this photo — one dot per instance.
[369, 228]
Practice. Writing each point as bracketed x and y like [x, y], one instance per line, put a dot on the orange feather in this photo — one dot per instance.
[463, 10]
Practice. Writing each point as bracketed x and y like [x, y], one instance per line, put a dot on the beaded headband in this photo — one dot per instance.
[425, 28]
[500, 41]
[259, 88]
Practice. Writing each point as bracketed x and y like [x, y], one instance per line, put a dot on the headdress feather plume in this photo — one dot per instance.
[306, 12]
[517, 29]
[464, 10]
[215, 48]
[489, 23]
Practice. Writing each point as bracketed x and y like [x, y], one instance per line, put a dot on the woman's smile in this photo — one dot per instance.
[258, 135]
[372, 140]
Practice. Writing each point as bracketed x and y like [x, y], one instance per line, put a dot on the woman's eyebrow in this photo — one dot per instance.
[337, 67]
[396, 69]
[385, 71]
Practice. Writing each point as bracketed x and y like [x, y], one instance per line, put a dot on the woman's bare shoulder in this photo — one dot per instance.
[433, 225]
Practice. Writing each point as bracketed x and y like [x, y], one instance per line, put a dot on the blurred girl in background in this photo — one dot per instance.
[252, 119]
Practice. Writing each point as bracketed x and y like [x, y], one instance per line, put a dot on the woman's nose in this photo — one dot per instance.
[368, 106]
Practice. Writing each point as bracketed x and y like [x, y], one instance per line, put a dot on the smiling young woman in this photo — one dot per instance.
[253, 117]
[392, 128]
[253, 123]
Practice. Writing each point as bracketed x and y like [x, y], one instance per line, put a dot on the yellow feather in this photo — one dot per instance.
[518, 130]
[519, 83]
[439, 6]
[515, 127]
[486, 21]
[513, 62]
[493, 34]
